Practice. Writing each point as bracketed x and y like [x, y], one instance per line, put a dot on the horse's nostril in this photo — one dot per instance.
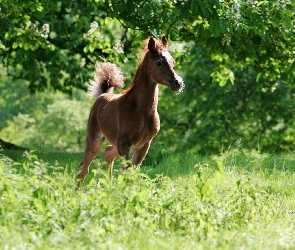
[177, 83]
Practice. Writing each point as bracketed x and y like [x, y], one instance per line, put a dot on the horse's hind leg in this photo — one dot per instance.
[93, 145]
[111, 152]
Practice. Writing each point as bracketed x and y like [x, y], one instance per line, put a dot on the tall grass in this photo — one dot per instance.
[232, 201]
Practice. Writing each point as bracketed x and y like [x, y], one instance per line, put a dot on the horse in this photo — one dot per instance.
[129, 121]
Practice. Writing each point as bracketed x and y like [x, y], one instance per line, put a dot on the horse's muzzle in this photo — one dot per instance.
[177, 84]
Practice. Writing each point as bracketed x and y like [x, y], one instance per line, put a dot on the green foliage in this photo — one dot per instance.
[51, 121]
[65, 38]
[245, 46]
[55, 44]
[254, 112]
[220, 204]
[60, 127]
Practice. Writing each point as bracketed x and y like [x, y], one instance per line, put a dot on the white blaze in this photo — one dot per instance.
[168, 58]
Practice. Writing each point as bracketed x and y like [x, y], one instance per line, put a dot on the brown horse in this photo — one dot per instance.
[129, 121]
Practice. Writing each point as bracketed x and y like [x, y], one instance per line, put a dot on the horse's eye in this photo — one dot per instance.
[159, 63]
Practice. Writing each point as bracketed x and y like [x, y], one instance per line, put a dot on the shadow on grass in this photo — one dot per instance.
[168, 164]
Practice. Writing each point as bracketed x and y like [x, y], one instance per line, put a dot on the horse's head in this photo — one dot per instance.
[162, 64]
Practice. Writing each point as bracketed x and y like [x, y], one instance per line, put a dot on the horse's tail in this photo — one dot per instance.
[107, 76]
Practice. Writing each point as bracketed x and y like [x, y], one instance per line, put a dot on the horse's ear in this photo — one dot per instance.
[152, 44]
[165, 41]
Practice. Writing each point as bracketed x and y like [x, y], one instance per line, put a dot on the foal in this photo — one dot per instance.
[129, 121]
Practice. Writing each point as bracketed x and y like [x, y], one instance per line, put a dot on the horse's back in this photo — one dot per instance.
[110, 96]
[106, 100]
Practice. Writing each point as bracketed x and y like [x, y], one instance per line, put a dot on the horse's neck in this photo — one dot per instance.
[145, 92]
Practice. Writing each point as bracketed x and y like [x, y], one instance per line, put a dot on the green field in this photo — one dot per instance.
[235, 200]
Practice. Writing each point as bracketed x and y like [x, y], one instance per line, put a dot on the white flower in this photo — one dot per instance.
[119, 47]
[35, 25]
[93, 27]
[45, 30]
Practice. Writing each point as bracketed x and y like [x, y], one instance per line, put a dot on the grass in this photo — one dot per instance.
[236, 200]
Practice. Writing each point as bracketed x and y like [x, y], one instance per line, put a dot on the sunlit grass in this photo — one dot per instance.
[236, 200]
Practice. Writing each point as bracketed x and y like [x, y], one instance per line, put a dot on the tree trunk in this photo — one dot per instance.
[10, 146]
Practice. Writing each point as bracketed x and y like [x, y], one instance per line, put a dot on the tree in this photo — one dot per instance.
[245, 46]
[45, 120]
[208, 118]
[57, 42]
[53, 44]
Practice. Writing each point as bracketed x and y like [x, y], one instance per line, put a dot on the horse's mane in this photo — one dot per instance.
[159, 47]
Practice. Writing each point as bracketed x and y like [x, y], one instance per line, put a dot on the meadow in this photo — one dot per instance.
[238, 199]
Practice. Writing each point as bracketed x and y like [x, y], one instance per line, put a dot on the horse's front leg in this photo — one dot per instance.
[124, 148]
[139, 155]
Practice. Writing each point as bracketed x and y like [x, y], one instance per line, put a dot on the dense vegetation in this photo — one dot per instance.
[56, 42]
[237, 61]
[236, 200]
[247, 47]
